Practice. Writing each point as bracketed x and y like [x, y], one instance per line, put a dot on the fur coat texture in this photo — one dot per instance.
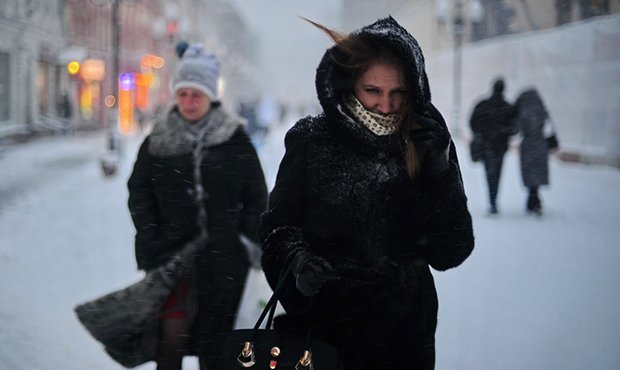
[343, 193]
[204, 179]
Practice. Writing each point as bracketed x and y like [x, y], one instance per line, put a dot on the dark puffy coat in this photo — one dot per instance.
[533, 151]
[343, 193]
[165, 212]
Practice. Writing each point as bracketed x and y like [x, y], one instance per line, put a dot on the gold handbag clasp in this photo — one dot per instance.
[246, 358]
[305, 362]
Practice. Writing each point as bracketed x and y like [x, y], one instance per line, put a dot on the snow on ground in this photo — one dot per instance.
[536, 294]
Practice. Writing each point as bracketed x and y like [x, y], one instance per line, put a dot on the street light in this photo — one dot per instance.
[462, 11]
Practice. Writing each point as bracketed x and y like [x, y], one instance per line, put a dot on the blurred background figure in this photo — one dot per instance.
[534, 152]
[65, 111]
[492, 120]
[197, 177]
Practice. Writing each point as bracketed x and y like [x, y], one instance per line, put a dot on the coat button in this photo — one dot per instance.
[382, 155]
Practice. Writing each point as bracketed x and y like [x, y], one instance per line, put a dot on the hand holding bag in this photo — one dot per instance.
[552, 138]
[268, 349]
[126, 321]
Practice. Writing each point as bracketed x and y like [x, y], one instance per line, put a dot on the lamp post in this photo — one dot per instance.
[462, 12]
[109, 161]
[170, 27]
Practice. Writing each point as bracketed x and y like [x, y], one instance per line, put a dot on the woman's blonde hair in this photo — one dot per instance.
[355, 55]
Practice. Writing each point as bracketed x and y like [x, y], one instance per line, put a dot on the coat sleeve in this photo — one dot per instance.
[475, 121]
[150, 247]
[280, 229]
[447, 232]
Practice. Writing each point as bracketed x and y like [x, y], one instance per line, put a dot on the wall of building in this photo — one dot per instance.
[576, 68]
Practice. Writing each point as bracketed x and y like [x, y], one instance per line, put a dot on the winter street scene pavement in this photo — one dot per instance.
[537, 293]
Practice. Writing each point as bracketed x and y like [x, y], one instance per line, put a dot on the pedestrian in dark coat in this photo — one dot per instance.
[367, 197]
[197, 177]
[534, 152]
[493, 119]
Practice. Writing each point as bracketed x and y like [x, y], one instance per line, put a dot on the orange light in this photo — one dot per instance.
[158, 62]
[152, 61]
[125, 111]
[93, 70]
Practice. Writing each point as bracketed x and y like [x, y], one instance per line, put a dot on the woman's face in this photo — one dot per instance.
[381, 89]
[193, 104]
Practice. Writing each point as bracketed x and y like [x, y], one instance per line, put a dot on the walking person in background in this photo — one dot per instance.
[493, 119]
[367, 197]
[197, 175]
[534, 152]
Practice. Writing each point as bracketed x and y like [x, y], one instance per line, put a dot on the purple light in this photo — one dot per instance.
[127, 81]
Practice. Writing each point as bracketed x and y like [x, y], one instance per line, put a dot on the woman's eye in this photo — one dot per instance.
[372, 91]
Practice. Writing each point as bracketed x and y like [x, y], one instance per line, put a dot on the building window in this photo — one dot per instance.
[5, 86]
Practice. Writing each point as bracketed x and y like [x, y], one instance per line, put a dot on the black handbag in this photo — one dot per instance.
[126, 321]
[552, 138]
[269, 349]
[552, 141]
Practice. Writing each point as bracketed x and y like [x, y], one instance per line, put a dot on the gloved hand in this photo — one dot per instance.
[432, 142]
[312, 272]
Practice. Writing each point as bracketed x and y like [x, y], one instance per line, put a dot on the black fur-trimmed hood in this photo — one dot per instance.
[391, 34]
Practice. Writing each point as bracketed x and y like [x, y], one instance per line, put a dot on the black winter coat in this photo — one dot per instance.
[343, 193]
[533, 151]
[165, 212]
[494, 119]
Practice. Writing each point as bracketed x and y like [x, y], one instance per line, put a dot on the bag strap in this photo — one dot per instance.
[271, 304]
[247, 358]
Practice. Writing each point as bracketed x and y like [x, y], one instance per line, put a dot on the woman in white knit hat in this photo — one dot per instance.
[197, 177]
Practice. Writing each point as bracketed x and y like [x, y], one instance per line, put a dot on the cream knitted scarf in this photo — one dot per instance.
[378, 124]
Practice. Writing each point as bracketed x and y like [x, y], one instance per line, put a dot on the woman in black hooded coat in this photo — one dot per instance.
[362, 207]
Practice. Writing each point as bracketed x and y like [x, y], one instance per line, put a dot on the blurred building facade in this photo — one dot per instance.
[499, 17]
[31, 34]
[57, 59]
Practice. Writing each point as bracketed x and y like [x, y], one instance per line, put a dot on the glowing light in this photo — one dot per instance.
[93, 70]
[109, 101]
[127, 81]
[152, 61]
[73, 67]
[126, 108]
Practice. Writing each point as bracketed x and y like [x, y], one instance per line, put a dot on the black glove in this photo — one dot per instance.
[432, 142]
[311, 272]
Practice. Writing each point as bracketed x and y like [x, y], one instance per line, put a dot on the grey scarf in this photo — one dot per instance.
[174, 136]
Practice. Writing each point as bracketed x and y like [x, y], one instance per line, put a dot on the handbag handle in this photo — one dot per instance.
[247, 358]
[271, 304]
